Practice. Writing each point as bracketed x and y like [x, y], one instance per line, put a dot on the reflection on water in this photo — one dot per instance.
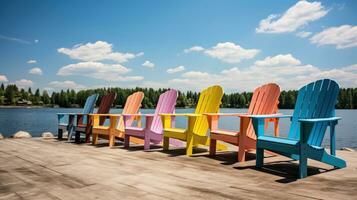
[39, 120]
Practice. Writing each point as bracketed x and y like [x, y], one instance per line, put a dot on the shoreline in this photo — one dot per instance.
[29, 107]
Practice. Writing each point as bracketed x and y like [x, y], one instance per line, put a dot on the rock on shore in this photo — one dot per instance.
[47, 135]
[22, 134]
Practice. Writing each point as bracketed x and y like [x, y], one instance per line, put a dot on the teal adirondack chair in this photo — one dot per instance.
[314, 112]
[68, 123]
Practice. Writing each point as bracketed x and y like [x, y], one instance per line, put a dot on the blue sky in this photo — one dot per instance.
[187, 45]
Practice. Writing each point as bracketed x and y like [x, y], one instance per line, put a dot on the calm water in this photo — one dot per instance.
[39, 120]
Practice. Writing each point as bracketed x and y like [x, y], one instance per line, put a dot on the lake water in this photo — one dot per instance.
[38, 120]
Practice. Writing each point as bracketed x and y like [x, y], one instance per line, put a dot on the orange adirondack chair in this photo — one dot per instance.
[116, 128]
[264, 101]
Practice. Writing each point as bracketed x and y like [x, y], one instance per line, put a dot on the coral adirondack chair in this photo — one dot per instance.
[70, 124]
[152, 132]
[314, 112]
[196, 132]
[264, 101]
[116, 128]
[84, 122]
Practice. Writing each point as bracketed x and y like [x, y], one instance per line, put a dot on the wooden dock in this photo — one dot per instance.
[50, 169]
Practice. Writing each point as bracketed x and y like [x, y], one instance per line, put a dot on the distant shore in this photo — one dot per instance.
[29, 107]
[12, 106]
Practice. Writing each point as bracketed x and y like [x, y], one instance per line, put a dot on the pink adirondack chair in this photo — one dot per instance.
[152, 132]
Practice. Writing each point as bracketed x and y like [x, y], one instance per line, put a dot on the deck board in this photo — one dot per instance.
[50, 169]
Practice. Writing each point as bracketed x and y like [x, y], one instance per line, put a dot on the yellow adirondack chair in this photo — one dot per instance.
[116, 129]
[196, 132]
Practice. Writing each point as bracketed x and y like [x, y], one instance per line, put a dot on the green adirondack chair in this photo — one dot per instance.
[314, 112]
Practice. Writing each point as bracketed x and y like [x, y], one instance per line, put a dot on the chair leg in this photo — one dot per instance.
[88, 133]
[147, 143]
[126, 141]
[302, 165]
[70, 134]
[260, 158]
[60, 134]
[241, 153]
[189, 144]
[94, 139]
[77, 137]
[212, 147]
[166, 143]
[111, 140]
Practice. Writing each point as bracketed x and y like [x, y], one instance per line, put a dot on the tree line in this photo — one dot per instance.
[12, 95]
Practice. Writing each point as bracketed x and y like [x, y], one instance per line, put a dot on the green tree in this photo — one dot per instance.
[11, 94]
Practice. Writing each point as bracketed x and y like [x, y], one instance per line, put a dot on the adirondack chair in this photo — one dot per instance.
[265, 100]
[152, 132]
[84, 123]
[314, 112]
[70, 124]
[116, 128]
[196, 132]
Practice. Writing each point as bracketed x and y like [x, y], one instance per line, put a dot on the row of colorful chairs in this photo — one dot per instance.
[314, 112]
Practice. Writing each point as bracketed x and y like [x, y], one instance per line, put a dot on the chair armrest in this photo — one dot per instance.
[168, 118]
[225, 114]
[96, 117]
[179, 114]
[259, 121]
[105, 115]
[315, 120]
[68, 113]
[269, 116]
[214, 117]
[148, 119]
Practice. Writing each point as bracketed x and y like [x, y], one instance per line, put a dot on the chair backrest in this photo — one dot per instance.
[132, 106]
[90, 104]
[166, 104]
[315, 100]
[105, 104]
[208, 102]
[264, 101]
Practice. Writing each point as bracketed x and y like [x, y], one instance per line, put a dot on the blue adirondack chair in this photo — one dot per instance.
[66, 121]
[314, 112]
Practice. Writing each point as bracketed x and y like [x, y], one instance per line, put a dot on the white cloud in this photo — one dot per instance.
[97, 51]
[36, 70]
[284, 69]
[148, 64]
[303, 34]
[32, 62]
[295, 17]
[97, 70]
[351, 68]
[344, 36]
[24, 83]
[36, 41]
[278, 60]
[139, 54]
[230, 52]
[194, 49]
[175, 69]
[64, 85]
[3, 78]
[13, 39]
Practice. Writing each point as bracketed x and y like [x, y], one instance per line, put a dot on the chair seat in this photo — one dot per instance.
[175, 130]
[225, 132]
[101, 127]
[278, 140]
[134, 131]
[178, 133]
